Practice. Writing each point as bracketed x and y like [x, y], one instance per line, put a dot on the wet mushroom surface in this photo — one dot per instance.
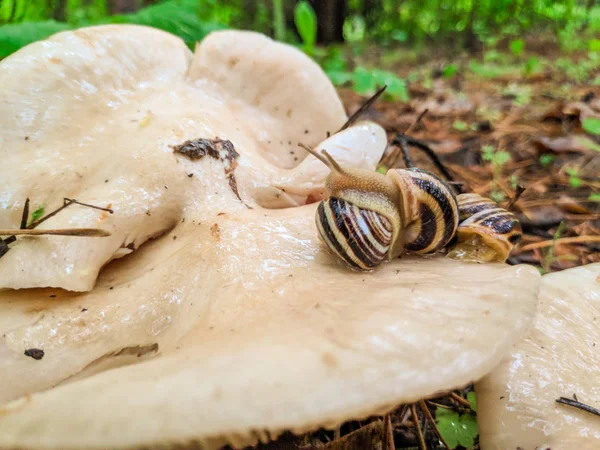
[222, 320]
[559, 357]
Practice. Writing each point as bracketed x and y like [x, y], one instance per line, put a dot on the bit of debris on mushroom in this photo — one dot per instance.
[559, 357]
[243, 326]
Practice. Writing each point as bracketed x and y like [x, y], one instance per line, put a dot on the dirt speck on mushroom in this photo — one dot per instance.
[34, 353]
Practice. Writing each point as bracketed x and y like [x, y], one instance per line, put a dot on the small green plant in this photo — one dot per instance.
[521, 93]
[278, 20]
[587, 143]
[595, 197]
[492, 70]
[460, 125]
[449, 70]
[591, 125]
[305, 19]
[546, 159]
[574, 179]
[594, 45]
[517, 46]
[366, 81]
[472, 398]
[497, 159]
[456, 429]
[37, 214]
[497, 195]
[532, 65]
[334, 65]
[354, 29]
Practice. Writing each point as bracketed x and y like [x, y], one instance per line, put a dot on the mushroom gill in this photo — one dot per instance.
[254, 328]
[559, 357]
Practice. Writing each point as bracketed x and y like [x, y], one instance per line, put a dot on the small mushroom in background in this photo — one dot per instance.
[559, 357]
[234, 324]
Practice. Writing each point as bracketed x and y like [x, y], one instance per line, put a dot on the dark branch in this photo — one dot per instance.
[354, 117]
[27, 229]
[401, 139]
[578, 405]
[38, 222]
[88, 205]
[25, 215]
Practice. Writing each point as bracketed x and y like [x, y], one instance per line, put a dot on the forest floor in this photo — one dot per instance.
[501, 128]
[496, 125]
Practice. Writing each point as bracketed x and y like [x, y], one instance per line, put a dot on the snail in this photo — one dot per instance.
[486, 231]
[369, 217]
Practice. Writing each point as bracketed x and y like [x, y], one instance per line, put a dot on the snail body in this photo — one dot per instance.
[368, 217]
[486, 232]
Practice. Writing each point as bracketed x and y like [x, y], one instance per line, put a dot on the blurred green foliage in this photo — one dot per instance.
[31, 20]
[498, 27]
[383, 21]
[306, 24]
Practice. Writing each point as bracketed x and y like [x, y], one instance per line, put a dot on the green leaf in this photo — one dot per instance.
[591, 125]
[574, 179]
[456, 430]
[339, 77]
[335, 60]
[449, 71]
[487, 152]
[546, 160]
[497, 196]
[491, 70]
[501, 158]
[471, 397]
[594, 45]
[572, 171]
[396, 87]
[367, 81]
[517, 46]
[18, 35]
[532, 65]
[37, 214]
[364, 81]
[399, 35]
[595, 197]
[278, 20]
[306, 23]
[460, 125]
[178, 17]
[354, 28]
[588, 143]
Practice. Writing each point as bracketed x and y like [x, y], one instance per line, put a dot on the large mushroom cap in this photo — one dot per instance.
[243, 324]
[558, 358]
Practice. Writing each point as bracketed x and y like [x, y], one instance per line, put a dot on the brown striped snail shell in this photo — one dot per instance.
[368, 218]
[430, 210]
[486, 231]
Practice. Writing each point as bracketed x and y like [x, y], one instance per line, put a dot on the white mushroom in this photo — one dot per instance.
[90, 115]
[246, 325]
[558, 358]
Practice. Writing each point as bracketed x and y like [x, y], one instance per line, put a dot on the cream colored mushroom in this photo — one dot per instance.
[558, 358]
[244, 324]
[80, 110]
